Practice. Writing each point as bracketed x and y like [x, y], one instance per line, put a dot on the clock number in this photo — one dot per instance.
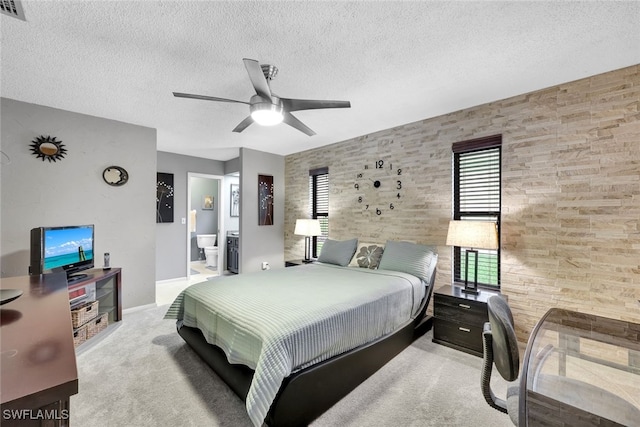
[360, 175]
[366, 206]
[379, 164]
[360, 199]
[366, 167]
[399, 187]
[391, 206]
[357, 186]
[398, 195]
[399, 171]
[378, 211]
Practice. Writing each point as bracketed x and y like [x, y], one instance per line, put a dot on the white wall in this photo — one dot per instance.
[260, 243]
[71, 191]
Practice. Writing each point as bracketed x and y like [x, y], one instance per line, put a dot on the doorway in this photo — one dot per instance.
[204, 208]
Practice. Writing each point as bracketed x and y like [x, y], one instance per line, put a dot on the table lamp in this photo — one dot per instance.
[307, 228]
[473, 235]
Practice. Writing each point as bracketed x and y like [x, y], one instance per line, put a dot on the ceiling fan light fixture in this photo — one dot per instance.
[267, 117]
[265, 108]
[267, 113]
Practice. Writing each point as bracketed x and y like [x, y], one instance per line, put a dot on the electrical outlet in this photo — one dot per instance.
[265, 265]
[183, 221]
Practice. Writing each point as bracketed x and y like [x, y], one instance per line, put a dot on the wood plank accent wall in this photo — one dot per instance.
[570, 193]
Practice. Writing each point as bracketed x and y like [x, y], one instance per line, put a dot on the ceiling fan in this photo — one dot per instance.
[265, 107]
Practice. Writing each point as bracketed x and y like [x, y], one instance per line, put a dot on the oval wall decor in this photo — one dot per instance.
[115, 176]
[46, 147]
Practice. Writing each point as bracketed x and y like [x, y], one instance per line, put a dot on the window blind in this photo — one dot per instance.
[319, 203]
[477, 197]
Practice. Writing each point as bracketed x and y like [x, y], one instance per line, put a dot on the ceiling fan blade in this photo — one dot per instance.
[294, 122]
[257, 78]
[243, 124]
[310, 104]
[206, 98]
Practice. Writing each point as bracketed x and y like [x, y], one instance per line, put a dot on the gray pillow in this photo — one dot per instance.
[409, 258]
[338, 252]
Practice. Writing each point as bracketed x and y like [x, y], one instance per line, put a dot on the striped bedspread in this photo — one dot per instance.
[279, 321]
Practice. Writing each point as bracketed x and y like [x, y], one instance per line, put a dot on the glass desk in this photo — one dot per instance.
[581, 369]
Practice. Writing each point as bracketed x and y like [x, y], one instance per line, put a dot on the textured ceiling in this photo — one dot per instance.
[397, 62]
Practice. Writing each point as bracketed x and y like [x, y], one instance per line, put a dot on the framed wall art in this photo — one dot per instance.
[164, 197]
[207, 202]
[234, 200]
[265, 200]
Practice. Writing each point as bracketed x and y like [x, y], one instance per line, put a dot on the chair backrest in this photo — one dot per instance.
[505, 345]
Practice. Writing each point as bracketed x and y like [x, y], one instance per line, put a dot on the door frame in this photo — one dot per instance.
[221, 197]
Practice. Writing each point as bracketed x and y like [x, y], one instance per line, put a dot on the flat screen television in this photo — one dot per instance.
[68, 249]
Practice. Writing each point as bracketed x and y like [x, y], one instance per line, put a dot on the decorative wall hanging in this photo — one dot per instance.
[46, 147]
[164, 197]
[265, 200]
[115, 176]
[234, 200]
[207, 203]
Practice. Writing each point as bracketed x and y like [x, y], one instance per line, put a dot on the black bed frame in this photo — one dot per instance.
[306, 394]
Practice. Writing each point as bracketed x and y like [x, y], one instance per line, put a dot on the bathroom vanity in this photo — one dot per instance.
[232, 251]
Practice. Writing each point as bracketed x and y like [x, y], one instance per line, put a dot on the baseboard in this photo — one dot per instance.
[138, 308]
[167, 281]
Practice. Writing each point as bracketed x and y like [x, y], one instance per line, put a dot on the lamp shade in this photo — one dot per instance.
[308, 227]
[473, 234]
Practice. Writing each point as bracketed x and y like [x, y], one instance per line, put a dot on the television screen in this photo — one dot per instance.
[56, 249]
[67, 246]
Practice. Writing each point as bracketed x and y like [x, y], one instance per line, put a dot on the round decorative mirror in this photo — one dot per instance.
[115, 175]
[46, 147]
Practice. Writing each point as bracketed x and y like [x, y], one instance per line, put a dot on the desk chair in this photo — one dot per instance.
[500, 348]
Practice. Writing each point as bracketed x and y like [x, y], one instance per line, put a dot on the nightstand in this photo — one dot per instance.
[459, 318]
[294, 262]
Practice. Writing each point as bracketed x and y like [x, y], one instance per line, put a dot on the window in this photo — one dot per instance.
[319, 204]
[476, 196]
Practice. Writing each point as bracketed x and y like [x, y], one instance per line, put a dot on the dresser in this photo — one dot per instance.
[460, 317]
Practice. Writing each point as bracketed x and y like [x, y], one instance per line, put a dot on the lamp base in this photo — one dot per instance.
[470, 291]
[307, 261]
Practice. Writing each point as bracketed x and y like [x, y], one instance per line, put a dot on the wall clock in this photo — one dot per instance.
[115, 175]
[379, 187]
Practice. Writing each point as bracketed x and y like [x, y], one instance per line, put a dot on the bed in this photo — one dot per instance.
[291, 342]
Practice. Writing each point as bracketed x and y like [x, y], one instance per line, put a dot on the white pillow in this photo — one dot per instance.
[367, 255]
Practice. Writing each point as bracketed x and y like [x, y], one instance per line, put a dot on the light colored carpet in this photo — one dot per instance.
[143, 374]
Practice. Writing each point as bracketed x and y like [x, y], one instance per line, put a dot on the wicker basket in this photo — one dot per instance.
[79, 336]
[97, 325]
[83, 313]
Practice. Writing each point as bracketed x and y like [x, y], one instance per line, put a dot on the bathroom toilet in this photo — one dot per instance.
[207, 243]
[211, 255]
